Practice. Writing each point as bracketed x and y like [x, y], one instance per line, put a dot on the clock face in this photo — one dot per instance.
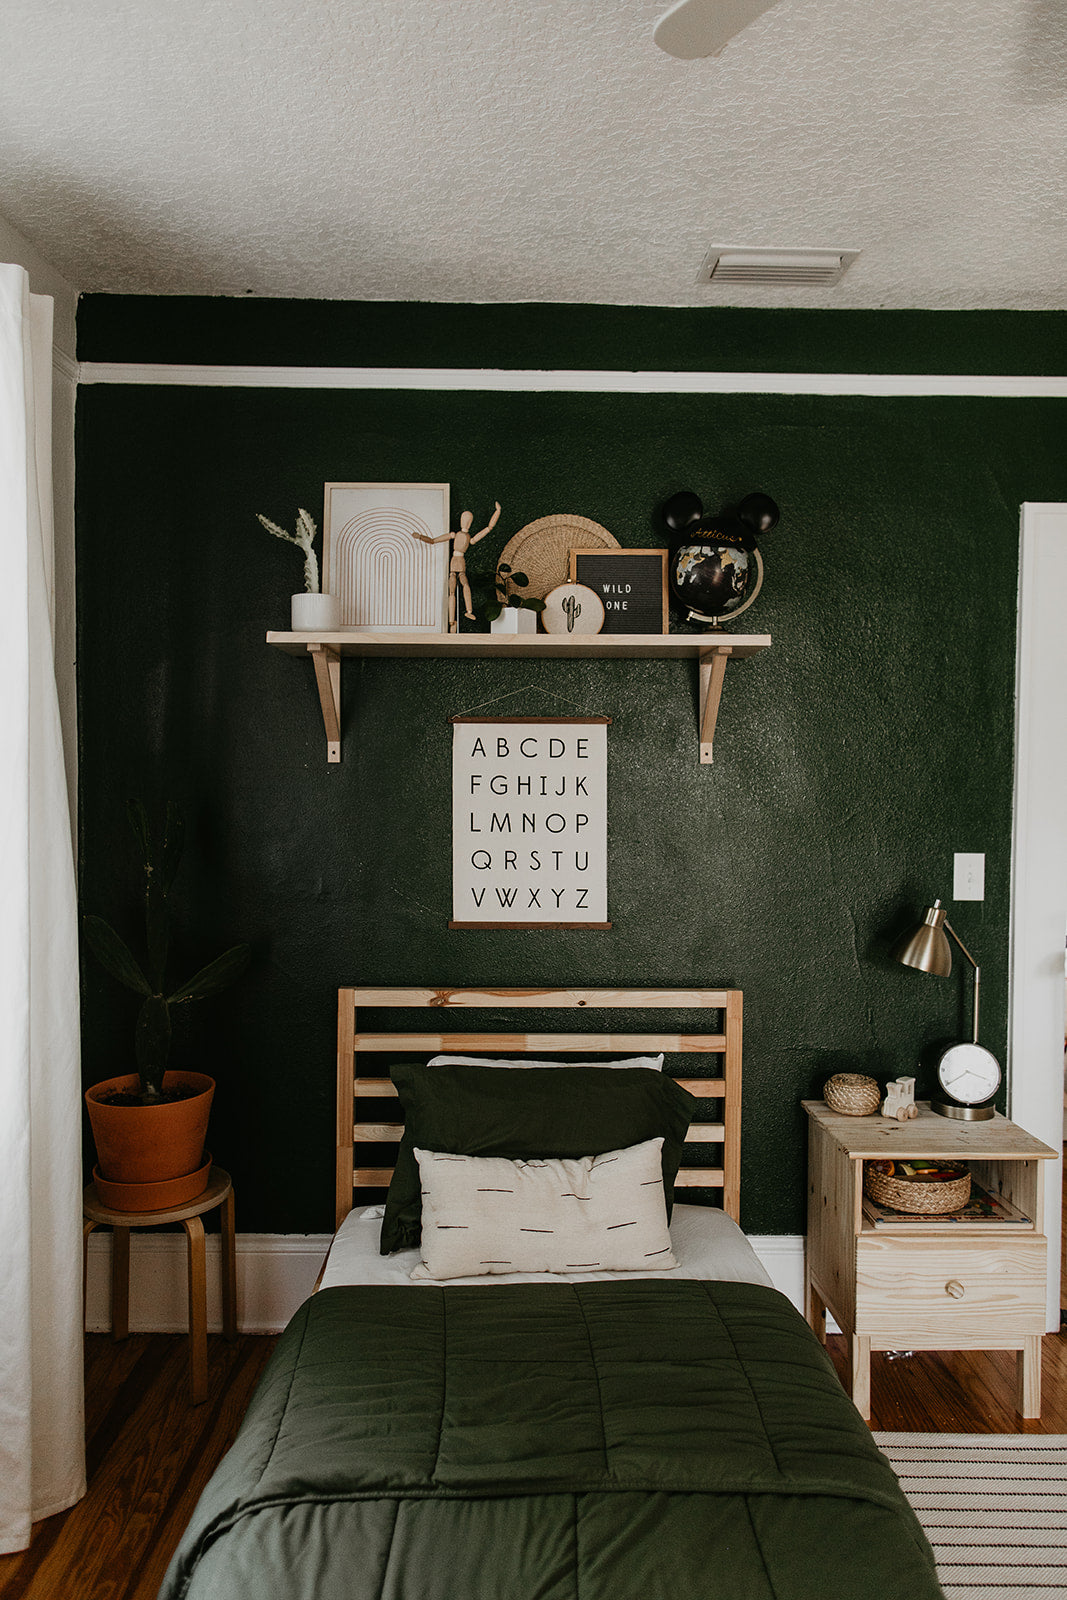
[968, 1073]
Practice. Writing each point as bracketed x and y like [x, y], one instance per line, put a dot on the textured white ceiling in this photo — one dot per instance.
[513, 150]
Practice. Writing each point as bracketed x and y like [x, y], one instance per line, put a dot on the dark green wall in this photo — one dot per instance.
[382, 334]
[852, 759]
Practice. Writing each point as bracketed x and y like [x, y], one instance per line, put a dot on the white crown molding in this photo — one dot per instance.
[499, 380]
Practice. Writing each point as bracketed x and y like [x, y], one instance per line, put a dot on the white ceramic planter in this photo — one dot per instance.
[316, 613]
[514, 620]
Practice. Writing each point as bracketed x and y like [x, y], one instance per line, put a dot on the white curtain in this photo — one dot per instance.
[42, 1460]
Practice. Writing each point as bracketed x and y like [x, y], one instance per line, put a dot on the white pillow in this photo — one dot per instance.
[654, 1063]
[486, 1215]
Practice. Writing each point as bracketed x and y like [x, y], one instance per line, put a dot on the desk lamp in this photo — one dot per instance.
[967, 1073]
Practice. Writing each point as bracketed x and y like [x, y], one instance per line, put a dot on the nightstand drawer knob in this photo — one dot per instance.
[955, 1289]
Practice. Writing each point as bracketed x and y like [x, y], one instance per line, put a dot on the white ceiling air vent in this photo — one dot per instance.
[784, 269]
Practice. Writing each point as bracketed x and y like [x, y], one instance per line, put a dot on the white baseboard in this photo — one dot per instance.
[783, 1256]
[276, 1272]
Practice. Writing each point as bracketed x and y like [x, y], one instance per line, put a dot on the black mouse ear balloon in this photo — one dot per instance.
[759, 512]
[682, 511]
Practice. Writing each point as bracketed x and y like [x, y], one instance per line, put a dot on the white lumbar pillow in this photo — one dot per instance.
[485, 1214]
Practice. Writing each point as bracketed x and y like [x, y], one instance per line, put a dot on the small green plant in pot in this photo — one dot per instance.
[508, 611]
[149, 1126]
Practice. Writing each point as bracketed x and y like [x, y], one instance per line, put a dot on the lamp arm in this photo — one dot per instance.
[977, 975]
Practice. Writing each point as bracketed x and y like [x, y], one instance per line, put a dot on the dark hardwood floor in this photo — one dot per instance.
[149, 1454]
[960, 1391]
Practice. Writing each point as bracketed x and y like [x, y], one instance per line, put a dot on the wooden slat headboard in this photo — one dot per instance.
[356, 1084]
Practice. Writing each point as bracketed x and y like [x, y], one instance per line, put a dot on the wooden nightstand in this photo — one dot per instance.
[935, 1286]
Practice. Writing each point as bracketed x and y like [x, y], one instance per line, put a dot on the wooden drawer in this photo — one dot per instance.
[952, 1293]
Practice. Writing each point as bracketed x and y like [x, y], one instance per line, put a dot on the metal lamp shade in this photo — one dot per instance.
[926, 947]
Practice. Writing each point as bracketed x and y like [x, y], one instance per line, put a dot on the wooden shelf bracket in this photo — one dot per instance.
[327, 664]
[712, 673]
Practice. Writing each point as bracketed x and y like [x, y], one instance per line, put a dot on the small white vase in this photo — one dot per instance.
[514, 619]
[316, 613]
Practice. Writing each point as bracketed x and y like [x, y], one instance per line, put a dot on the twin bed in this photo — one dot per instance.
[523, 1376]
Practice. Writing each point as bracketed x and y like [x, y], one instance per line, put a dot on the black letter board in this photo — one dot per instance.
[632, 585]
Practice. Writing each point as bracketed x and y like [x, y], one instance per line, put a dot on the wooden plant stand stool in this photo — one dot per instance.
[219, 1193]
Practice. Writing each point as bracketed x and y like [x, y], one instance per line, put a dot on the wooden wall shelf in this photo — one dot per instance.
[710, 651]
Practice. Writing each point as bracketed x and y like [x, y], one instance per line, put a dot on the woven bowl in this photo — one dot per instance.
[852, 1095]
[915, 1195]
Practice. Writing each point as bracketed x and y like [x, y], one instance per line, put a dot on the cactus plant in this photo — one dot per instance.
[160, 857]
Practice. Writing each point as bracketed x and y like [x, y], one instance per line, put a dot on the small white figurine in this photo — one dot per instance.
[457, 567]
[900, 1100]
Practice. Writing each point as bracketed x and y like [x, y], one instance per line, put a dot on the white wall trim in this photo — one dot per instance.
[1039, 854]
[275, 1274]
[574, 382]
[783, 1256]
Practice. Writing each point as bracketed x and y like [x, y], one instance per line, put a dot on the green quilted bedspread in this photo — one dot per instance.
[573, 1441]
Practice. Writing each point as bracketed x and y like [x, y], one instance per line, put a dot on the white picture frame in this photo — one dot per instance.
[387, 580]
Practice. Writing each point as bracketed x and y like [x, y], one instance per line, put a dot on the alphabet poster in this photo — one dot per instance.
[529, 822]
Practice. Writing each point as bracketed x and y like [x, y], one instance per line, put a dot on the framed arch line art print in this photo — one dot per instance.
[388, 581]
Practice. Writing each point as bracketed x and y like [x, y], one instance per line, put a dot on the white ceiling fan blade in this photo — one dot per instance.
[695, 28]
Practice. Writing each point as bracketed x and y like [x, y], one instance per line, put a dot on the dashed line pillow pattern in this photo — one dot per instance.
[653, 1063]
[485, 1214]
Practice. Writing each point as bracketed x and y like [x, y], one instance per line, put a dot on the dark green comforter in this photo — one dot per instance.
[586, 1441]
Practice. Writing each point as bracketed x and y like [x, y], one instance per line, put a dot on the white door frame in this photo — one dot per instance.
[1039, 854]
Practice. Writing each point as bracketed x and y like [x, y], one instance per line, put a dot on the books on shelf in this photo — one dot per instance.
[981, 1207]
[929, 1171]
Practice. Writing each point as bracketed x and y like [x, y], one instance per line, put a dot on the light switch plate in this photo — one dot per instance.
[968, 876]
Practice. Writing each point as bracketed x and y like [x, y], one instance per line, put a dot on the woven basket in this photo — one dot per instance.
[852, 1095]
[916, 1195]
[542, 549]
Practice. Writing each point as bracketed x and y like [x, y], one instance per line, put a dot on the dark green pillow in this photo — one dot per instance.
[527, 1113]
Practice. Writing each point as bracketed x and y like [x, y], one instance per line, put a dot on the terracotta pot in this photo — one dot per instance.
[147, 1144]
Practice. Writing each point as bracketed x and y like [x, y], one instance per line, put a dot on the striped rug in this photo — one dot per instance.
[994, 1507]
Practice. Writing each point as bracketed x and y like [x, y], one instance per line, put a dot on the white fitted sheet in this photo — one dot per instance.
[707, 1244]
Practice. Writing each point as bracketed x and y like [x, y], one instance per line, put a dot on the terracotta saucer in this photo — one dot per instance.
[160, 1196]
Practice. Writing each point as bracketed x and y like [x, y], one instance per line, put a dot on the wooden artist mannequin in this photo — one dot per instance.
[457, 567]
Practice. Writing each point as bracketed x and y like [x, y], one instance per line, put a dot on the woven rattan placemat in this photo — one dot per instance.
[542, 549]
